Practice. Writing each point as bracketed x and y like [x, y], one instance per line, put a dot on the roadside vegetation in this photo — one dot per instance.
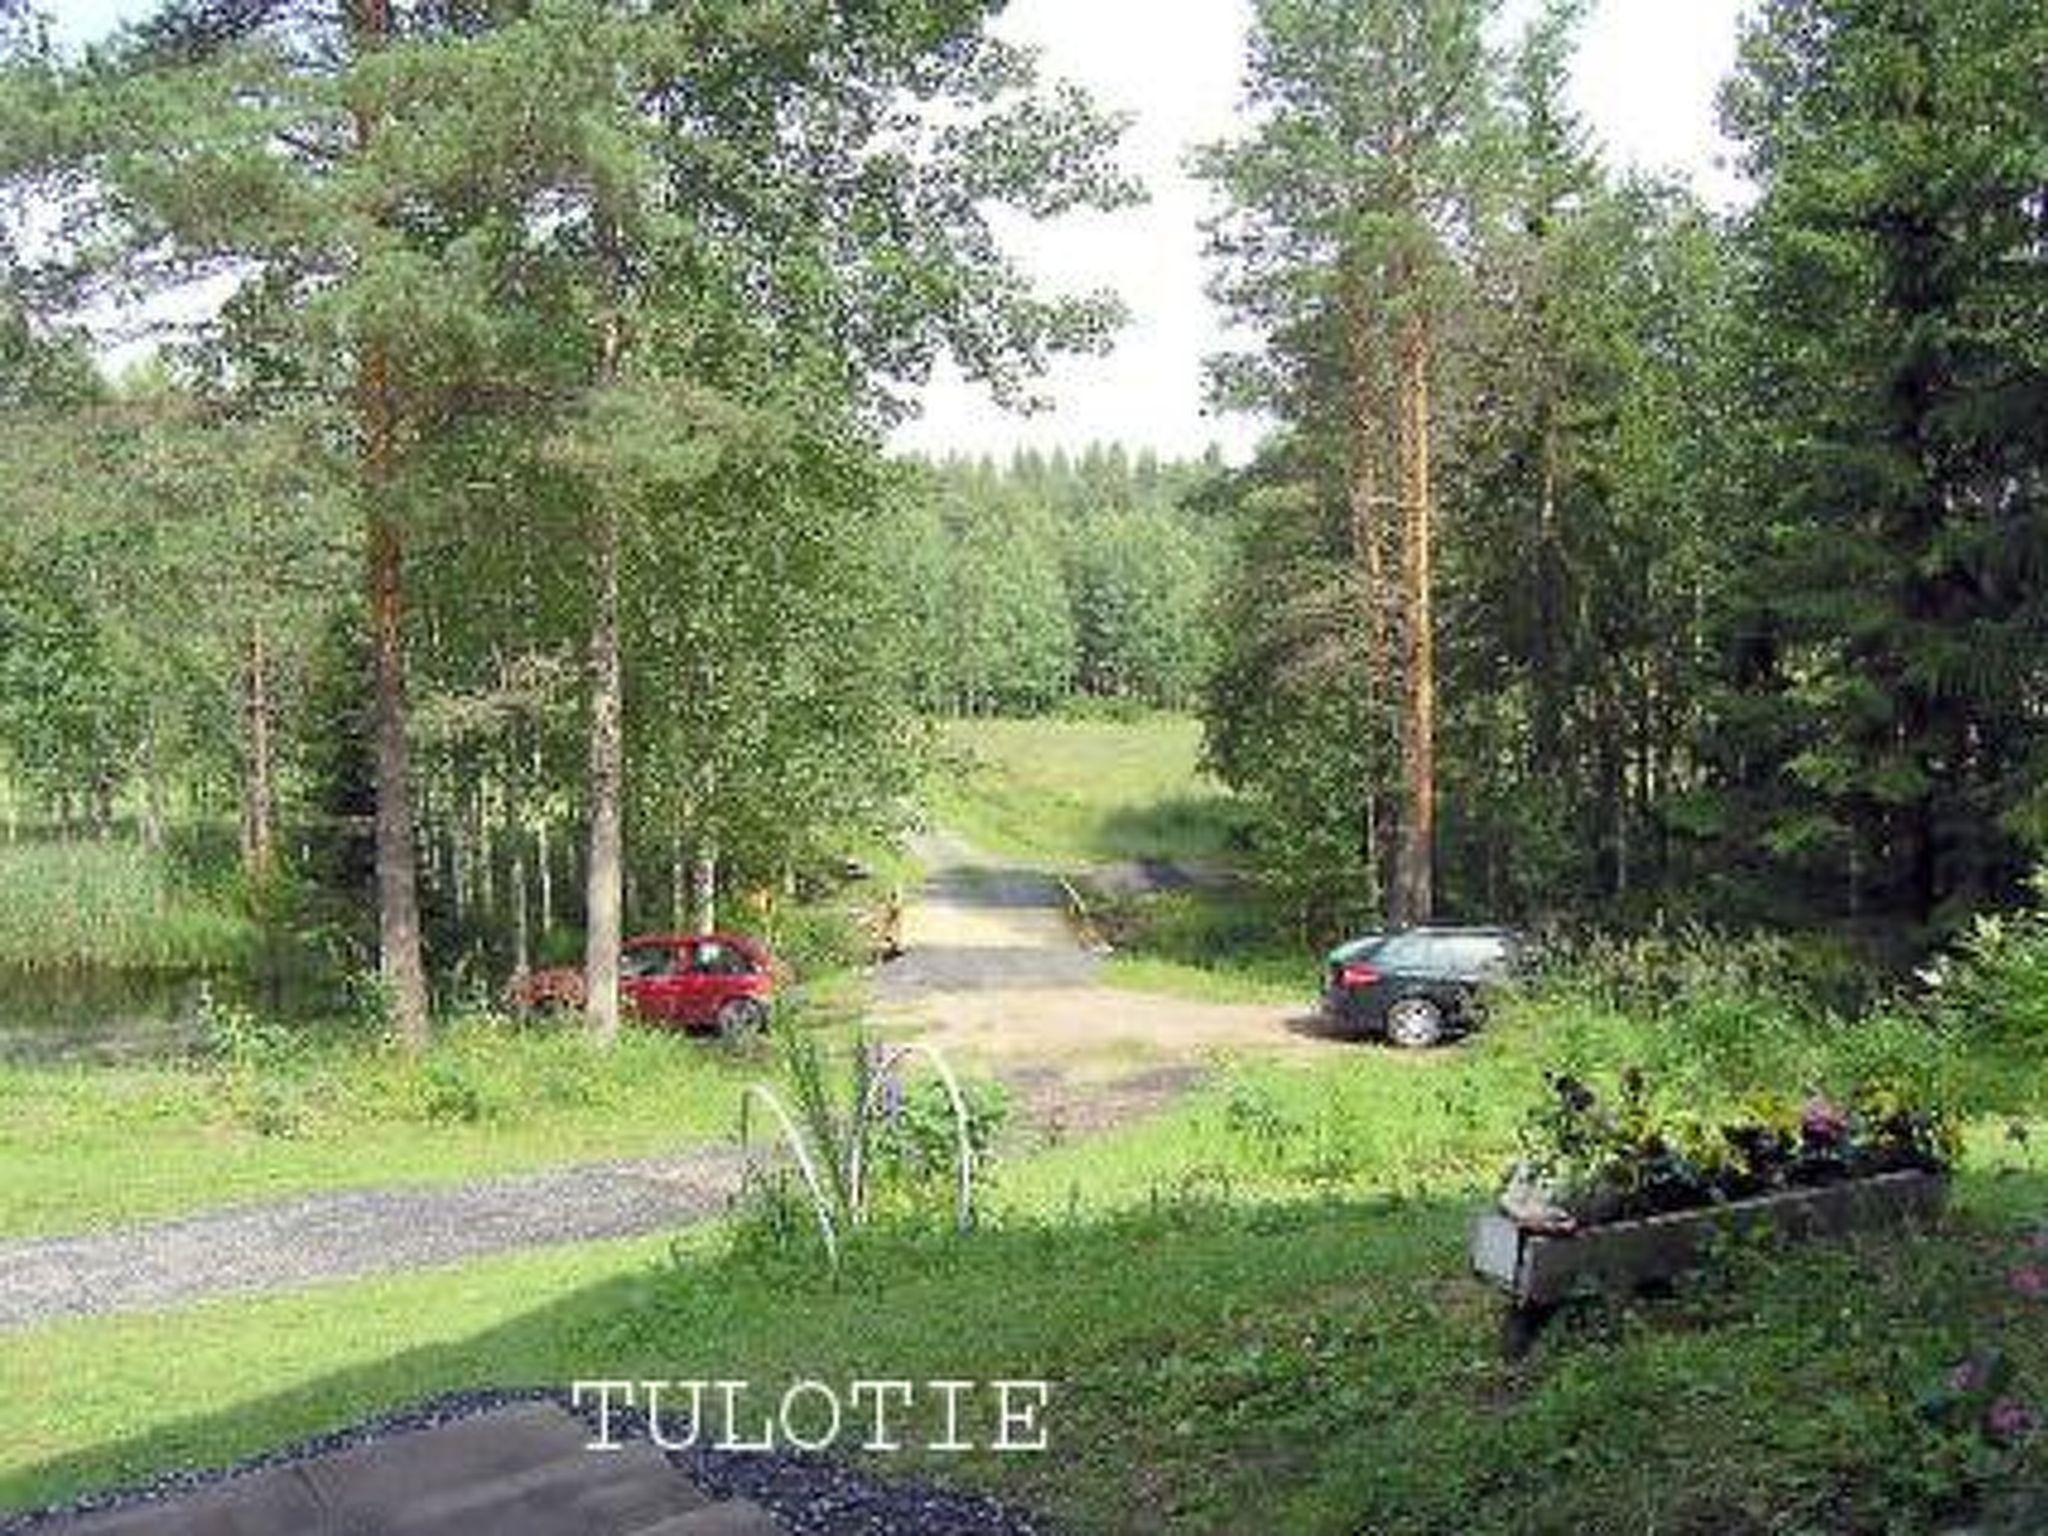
[70, 904]
[1254, 1307]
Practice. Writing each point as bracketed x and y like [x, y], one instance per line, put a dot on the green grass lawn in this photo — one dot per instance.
[84, 1146]
[1255, 1312]
[1065, 793]
[1279, 982]
[1218, 1363]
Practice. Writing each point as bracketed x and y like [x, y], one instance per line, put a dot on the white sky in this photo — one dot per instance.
[1645, 81]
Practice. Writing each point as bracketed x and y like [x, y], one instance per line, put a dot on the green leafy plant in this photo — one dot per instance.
[1591, 1157]
[1254, 1116]
[260, 1064]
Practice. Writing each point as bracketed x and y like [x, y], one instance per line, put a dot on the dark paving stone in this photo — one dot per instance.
[522, 1470]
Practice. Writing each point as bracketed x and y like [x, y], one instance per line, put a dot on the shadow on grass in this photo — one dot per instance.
[1314, 1024]
[1180, 831]
[1070, 1302]
[1215, 1364]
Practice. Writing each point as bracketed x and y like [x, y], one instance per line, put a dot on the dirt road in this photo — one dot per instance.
[993, 971]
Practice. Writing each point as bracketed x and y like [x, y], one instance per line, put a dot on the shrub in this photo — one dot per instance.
[1995, 989]
[914, 1142]
[865, 1143]
[261, 1066]
[815, 940]
[1989, 997]
[1666, 969]
[454, 1091]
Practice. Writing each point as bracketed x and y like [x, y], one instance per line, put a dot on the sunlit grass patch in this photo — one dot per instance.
[1070, 792]
[279, 1110]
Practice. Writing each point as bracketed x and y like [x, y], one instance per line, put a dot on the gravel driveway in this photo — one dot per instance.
[354, 1232]
[993, 974]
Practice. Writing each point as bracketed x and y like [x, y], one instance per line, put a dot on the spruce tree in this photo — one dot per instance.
[1889, 660]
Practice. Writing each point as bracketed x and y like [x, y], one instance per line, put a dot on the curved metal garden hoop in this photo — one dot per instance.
[962, 1129]
[804, 1164]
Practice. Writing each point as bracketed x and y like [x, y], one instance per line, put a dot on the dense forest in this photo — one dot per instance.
[516, 528]
[532, 456]
[1616, 558]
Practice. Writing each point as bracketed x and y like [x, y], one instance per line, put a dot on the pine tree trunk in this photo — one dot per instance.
[1414, 865]
[454, 856]
[1369, 557]
[398, 918]
[604, 887]
[603, 898]
[1549, 713]
[486, 858]
[1621, 819]
[398, 915]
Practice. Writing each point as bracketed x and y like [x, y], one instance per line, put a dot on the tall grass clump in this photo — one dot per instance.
[66, 905]
[865, 1144]
[482, 1070]
[1235, 934]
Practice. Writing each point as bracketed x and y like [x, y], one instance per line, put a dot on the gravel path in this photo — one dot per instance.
[353, 1232]
[993, 974]
[981, 968]
[978, 925]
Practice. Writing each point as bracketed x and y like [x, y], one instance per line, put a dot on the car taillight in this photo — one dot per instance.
[1357, 974]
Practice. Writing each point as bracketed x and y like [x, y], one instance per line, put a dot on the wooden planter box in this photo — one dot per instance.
[1539, 1269]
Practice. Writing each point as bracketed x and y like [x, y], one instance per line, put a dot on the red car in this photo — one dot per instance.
[719, 981]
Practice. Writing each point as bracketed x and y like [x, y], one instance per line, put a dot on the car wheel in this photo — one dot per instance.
[740, 1018]
[1415, 1022]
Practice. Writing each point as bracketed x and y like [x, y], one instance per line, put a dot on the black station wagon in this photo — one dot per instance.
[1416, 986]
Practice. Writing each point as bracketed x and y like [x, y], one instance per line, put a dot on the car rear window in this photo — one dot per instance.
[720, 959]
[1464, 952]
[1403, 949]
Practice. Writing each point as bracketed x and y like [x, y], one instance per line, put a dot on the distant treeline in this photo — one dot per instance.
[1054, 578]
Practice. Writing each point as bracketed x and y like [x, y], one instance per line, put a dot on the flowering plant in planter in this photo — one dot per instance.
[1589, 1158]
